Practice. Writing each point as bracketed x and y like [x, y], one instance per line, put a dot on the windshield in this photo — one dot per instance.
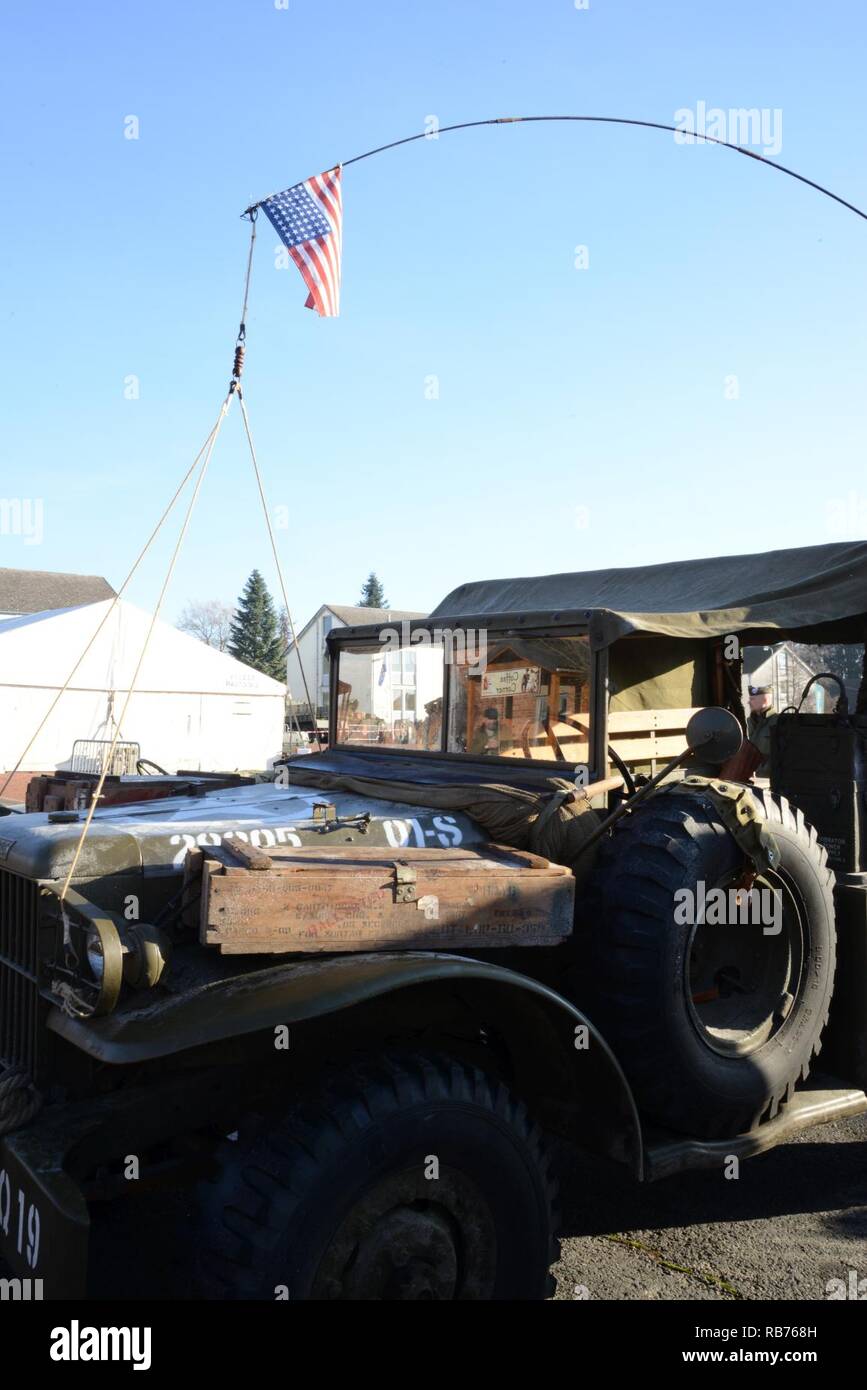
[391, 696]
[530, 699]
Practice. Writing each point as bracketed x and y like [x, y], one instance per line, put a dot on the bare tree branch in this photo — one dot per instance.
[210, 621]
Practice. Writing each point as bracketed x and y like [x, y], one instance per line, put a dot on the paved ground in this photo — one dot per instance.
[794, 1219]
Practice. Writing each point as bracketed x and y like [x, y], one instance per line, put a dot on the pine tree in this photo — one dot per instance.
[372, 594]
[255, 637]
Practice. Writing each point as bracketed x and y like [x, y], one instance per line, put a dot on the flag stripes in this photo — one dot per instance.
[309, 221]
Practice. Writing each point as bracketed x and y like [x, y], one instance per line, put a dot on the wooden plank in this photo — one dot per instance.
[288, 858]
[632, 720]
[646, 746]
[191, 888]
[249, 856]
[35, 793]
[331, 900]
[653, 735]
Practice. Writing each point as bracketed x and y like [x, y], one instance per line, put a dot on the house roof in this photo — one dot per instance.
[766, 656]
[354, 615]
[36, 591]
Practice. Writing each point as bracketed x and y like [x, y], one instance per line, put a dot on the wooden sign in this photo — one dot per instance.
[522, 680]
[373, 899]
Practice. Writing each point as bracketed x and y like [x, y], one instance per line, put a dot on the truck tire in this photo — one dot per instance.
[409, 1178]
[714, 1025]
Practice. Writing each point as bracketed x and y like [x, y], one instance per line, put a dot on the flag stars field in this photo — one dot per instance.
[308, 219]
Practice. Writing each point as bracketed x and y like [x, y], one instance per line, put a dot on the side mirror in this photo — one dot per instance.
[714, 734]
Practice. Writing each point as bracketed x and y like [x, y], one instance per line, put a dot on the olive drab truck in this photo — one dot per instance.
[531, 888]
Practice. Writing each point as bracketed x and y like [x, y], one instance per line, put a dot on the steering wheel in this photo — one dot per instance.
[570, 719]
[551, 736]
[146, 762]
[623, 770]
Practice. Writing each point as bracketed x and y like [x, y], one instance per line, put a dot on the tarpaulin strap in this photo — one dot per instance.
[561, 830]
[549, 811]
[552, 805]
[741, 814]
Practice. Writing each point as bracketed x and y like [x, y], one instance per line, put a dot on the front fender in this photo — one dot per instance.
[557, 1056]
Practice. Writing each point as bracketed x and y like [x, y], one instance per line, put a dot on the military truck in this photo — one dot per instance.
[362, 1091]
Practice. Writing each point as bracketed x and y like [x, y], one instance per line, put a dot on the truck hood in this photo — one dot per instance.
[154, 836]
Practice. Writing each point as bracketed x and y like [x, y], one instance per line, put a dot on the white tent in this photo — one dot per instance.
[193, 707]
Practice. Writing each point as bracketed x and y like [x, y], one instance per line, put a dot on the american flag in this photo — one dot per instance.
[309, 221]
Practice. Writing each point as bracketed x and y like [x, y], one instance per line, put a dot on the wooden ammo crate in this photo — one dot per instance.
[371, 899]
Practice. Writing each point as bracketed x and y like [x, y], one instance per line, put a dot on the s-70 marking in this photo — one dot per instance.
[443, 830]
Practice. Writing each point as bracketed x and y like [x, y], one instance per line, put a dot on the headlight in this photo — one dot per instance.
[95, 955]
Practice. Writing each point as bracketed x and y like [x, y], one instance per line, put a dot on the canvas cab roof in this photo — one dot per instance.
[818, 592]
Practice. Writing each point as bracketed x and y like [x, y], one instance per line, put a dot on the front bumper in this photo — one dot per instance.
[44, 1221]
[47, 1168]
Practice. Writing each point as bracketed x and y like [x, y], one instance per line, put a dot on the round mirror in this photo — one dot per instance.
[714, 734]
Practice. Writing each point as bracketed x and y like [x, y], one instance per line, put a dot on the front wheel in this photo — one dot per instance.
[411, 1178]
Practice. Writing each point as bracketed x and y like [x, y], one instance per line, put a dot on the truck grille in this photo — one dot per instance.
[19, 984]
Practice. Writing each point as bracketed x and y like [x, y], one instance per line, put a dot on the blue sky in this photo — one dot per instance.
[583, 417]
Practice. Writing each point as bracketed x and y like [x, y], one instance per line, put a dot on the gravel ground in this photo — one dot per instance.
[794, 1219]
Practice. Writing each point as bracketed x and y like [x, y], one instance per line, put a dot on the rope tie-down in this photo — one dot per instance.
[19, 1099]
[234, 389]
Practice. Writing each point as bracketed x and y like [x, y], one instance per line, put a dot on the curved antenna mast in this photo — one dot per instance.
[599, 120]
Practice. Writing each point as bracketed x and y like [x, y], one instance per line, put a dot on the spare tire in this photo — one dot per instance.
[714, 1021]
